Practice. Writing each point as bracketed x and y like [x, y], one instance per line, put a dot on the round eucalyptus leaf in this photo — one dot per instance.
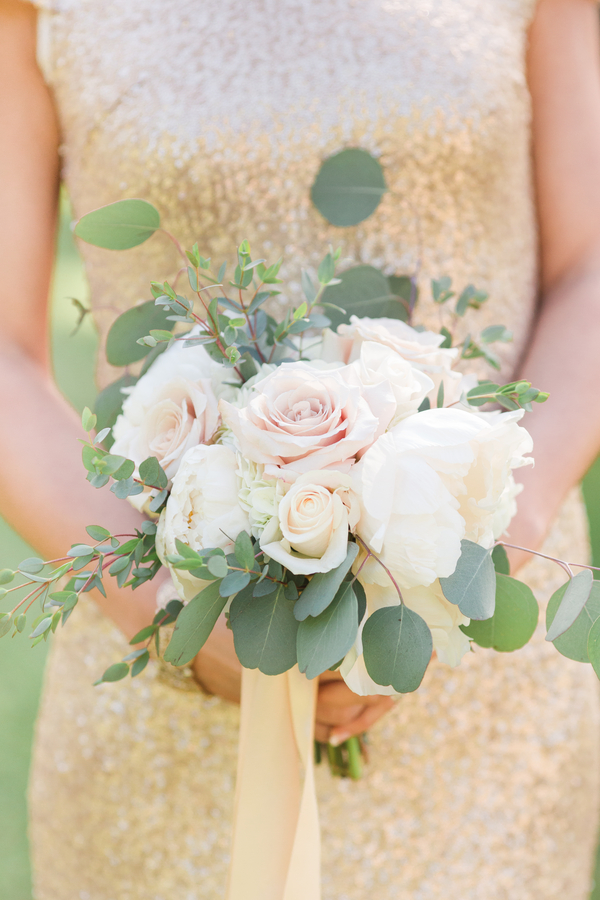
[397, 647]
[348, 187]
[472, 585]
[119, 225]
[264, 631]
[573, 600]
[500, 560]
[593, 646]
[574, 642]
[362, 291]
[121, 346]
[514, 620]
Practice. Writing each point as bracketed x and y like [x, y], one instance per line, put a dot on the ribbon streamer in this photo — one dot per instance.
[276, 841]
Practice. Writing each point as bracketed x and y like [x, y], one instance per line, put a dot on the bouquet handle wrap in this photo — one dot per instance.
[276, 840]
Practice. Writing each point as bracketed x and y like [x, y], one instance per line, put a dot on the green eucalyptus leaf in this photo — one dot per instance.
[362, 291]
[244, 551]
[6, 576]
[43, 626]
[262, 588]
[217, 566]
[116, 672]
[397, 647]
[31, 566]
[121, 342]
[97, 532]
[593, 646]
[119, 225]
[574, 599]
[152, 473]
[574, 642]
[80, 550]
[140, 663]
[6, 625]
[194, 624]
[322, 587]
[500, 560]
[326, 269]
[348, 187]
[233, 582]
[402, 286]
[514, 620]
[326, 638]
[88, 419]
[264, 631]
[472, 585]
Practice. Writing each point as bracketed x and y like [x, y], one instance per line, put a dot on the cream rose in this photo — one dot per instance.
[300, 418]
[420, 348]
[172, 408]
[310, 532]
[203, 508]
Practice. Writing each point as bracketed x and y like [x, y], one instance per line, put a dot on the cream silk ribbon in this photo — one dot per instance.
[276, 842]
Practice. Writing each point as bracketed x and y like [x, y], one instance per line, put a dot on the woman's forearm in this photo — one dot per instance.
[45, 495]
[563, 358]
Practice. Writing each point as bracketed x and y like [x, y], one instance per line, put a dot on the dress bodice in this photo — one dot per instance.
[220, 113]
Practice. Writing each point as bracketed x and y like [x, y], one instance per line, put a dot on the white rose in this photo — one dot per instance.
[300, 418]
[420, 348]
[203, 509]
[172, 408]
[443, 619]
[310, 532]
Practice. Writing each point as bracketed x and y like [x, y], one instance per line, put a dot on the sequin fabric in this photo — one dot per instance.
[482, 785]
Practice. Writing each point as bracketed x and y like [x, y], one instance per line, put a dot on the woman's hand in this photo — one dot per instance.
[341, 713]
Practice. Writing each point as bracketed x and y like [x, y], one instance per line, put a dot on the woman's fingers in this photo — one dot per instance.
[370, 714]
[341, 713]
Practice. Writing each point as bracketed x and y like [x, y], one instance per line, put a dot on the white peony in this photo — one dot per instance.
[172, 408]
[300, 418]
[420, 348]
[310, 532]
[444, 621]
[203, 509]
[432, 480]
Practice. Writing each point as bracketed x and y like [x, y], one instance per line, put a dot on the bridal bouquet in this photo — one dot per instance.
[330, 480]
[324, 477]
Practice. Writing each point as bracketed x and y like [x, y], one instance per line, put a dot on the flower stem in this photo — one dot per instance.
[353, 750]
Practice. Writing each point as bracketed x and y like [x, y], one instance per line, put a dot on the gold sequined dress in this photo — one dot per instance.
[483, 785]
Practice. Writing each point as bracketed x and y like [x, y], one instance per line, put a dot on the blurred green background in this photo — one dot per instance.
[21, 669]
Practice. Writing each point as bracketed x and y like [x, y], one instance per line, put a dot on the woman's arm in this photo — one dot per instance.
[43, 491]
[563, 356]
